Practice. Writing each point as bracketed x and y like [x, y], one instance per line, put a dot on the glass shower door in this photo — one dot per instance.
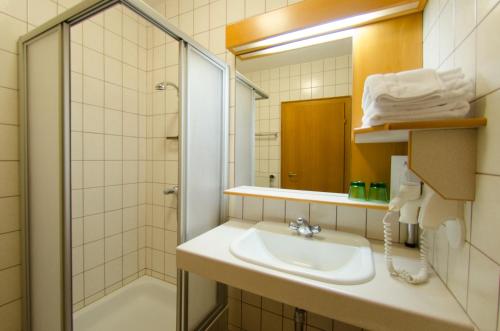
[203, 175]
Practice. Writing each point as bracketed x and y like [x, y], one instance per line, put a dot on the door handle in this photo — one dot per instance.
[291, 174]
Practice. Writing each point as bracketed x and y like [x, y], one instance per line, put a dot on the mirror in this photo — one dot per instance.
[293, 117]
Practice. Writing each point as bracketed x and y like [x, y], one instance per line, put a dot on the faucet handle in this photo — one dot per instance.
[315, 229]
[301, 221]
[293, 225]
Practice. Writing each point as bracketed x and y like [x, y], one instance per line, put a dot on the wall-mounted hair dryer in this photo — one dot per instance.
[419, 204]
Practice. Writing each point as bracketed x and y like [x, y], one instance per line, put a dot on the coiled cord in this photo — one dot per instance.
[423, 273]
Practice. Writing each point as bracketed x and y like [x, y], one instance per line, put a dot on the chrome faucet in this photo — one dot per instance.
[302, 227]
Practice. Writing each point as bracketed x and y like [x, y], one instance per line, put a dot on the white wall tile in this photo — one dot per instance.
[484, 7]
[441, 253]
[274, 210]
[296, 209]
[375, 225]
[488, 52]
[254, 7]
[350, 219]
[483, 290]
[252, 208]
[458, 272]
[465, 21]
[324, 215]
[488, 156]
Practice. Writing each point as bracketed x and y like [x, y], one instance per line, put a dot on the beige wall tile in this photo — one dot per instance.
[295, 209]
[10, 315]
[10, 249]
[270, 321]
[9, 102]
[9, 209]
[488, 51]
[483, 290]
[458, 272]
[488, 156]
[319, 322]
[441, 253]
[10, 284]
[234, 312]
[465, 16]
[251, 317]
[9, 177]
[252, 299]
[351, 219]
[485, 216]
[324, 215]
[274, 210]
[375, 225]
[252, 208]
[483, 8]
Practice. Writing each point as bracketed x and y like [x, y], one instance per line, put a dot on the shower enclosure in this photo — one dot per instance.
[124, 156]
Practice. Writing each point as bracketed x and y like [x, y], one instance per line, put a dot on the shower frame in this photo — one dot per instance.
[62, 24]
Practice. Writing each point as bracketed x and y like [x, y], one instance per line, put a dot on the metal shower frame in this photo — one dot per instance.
[63, 23]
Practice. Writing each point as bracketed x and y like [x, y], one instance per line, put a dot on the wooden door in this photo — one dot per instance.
[312, 144]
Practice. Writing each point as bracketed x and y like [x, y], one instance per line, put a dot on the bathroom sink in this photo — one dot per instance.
[329, 256]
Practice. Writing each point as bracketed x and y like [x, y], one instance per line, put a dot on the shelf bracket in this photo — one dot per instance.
[445, 159]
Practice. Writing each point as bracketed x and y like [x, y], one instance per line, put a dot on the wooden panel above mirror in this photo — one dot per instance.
[309, 13]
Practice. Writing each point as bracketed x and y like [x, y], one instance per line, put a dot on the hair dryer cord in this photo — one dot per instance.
[423, 274]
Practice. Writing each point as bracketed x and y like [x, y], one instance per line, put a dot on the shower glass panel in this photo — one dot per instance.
[203, 171]
[244, 140]
[44, 164]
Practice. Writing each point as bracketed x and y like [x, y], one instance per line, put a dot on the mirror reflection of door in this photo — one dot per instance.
[313, 144]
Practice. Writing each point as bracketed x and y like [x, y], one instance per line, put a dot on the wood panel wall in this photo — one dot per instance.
[382, 47]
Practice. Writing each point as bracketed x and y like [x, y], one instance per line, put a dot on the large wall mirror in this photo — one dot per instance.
[293, 117]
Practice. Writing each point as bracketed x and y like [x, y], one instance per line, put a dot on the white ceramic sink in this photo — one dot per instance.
[330, 256]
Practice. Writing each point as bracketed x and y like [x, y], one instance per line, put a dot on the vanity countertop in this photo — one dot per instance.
[383, 303]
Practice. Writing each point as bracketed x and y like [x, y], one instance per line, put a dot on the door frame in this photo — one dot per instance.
[347, 136]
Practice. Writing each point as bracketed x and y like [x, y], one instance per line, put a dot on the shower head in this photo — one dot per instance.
[162, 86]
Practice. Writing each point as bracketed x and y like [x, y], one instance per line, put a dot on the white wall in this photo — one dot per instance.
[465, 33]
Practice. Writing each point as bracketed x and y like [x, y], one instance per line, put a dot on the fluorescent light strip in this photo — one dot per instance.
[327, 27]
[299, 44]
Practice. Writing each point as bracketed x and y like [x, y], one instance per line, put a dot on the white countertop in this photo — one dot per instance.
[383, 303]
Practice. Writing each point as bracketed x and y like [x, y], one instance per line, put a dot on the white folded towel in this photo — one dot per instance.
[420, 85]
[416, 95]
[457, 109]
[459, 92]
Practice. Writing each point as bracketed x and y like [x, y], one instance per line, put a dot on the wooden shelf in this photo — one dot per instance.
[399, 132]
[441, 152]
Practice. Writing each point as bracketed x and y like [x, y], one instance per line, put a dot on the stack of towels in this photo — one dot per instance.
[416, 95]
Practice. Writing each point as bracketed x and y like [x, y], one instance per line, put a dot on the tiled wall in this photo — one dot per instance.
[464, 33]
[162, 156]
[324, 78]
[108, 74]
[16, 18]
[251, 312]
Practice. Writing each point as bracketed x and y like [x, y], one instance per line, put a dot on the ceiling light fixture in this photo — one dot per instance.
[298, 44]
[322, 29]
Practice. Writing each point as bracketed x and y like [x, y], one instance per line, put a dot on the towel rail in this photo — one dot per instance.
[267, 134]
